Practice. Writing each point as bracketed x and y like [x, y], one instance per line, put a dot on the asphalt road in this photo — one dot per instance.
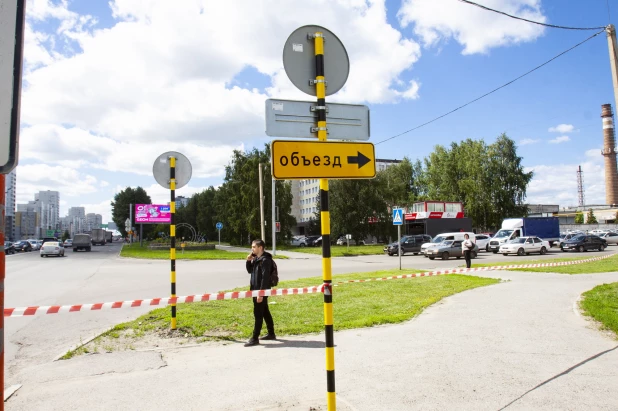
[101, 276]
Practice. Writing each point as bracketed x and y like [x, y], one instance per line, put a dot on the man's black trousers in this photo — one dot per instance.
[467, 257]
[261, 314]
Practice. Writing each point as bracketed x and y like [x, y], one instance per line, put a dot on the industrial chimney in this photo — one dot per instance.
[609, 152]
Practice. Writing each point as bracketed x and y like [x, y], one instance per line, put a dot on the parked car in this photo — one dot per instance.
[299, 241]
[583, 243]
[23, 245]
[52, 248]
[610, 237]
[482, 241]
[310, 239]
[35, 244]
[525, 246]
[437, 240]
[342, 240]
[9, 248]
[448, 249]
[409, 244]
[567, 237]
[68, 243]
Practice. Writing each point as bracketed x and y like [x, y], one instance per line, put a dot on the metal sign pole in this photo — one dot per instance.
[173, 235]
[399, 246]
[274, 228]
[327, 277]
[219, 237]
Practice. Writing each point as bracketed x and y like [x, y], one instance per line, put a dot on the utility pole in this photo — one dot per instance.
[274, 219]
[131, 226]
[613, 58]
[261, 204]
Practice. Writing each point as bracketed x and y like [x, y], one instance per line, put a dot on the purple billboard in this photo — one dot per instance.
[152, 214]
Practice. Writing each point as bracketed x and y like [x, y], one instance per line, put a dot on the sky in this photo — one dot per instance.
[109, 85]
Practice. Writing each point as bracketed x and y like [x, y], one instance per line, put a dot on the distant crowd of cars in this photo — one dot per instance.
[46, 247]
[448, 245]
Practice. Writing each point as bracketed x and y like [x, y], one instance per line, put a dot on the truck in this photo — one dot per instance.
[435, 226]
[82, 242]
[546, 228]
[108, 236]
[98, 236]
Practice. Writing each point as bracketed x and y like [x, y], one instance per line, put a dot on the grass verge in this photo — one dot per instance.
[338, 250]
[602, 266]
[135, 251]
[601, 303]
[356, 305]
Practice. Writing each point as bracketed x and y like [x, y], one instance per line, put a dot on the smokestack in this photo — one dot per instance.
[609, 152]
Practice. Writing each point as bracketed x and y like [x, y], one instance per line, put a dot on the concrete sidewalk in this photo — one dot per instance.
[517, 345]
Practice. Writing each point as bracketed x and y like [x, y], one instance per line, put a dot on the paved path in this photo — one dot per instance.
[517, 345]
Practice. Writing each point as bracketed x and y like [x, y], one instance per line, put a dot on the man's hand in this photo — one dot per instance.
[250, 257]
[259, 299]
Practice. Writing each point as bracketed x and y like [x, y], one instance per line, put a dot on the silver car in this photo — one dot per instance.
[52, 248]
[448, 249]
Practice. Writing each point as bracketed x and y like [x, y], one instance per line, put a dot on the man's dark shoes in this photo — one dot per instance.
[268, 336]
[252, 342]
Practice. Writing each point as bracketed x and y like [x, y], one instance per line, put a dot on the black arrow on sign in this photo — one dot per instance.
[359, 159]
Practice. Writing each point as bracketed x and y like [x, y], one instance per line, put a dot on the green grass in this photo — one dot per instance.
[338, 250]
[355, 305]
[601, 303]
[602, 266]
[135, 251]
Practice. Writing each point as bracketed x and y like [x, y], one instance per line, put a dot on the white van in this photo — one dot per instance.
[457, 236]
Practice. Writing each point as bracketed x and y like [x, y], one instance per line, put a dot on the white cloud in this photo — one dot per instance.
[558, 140]
[562, 128]
[527, 141]
[558, 184]
[39, 177]
[77, 148]
[476, 29]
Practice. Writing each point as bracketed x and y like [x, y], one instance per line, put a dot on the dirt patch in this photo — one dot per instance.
[126, 340]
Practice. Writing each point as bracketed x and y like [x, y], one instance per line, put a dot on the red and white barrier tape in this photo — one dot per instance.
[472, 270]
[57, 309]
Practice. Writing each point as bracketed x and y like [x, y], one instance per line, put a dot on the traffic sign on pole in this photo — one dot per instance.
[296, 119]
[297, 160]
[219, 226]
[12, 23]
[397, 216]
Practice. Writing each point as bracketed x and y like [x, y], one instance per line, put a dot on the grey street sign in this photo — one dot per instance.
[12, 14]
[299, 60]
[297, 119]
[161, 169]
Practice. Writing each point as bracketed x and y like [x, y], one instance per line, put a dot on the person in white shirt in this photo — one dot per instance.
[467, 246]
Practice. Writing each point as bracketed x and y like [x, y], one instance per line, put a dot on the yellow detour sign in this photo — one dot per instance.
[297, 160]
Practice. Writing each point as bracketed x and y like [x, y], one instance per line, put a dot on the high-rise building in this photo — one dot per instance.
[77, 220]
[49, 209]
[26, 224]
[9, 212]
[182, 201]
[93, 221]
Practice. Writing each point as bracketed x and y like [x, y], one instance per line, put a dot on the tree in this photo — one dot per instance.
[591, 218]
[121, 204]
[65, 235]
[237, 202]
[579, 218]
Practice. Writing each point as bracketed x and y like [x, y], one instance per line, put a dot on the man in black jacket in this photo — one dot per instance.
[259, 265]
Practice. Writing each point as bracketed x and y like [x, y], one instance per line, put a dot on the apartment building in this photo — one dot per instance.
[9, 212]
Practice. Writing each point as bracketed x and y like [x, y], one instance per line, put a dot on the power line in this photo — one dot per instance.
[492, 91]
[529, 21]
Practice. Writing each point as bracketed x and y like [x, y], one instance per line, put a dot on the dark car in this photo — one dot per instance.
[9, 248]
[584, 242]
[409, 244]
[23, 245]
[450, 248]
[311, 240]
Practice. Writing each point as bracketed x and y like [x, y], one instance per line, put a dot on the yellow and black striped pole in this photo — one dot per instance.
[173, 235]
[320, 85]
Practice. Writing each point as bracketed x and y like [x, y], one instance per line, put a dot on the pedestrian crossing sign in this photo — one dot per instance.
[398, 216]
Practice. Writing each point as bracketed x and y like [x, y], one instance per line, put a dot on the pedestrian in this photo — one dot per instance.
[467, 246]
[259, 265]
